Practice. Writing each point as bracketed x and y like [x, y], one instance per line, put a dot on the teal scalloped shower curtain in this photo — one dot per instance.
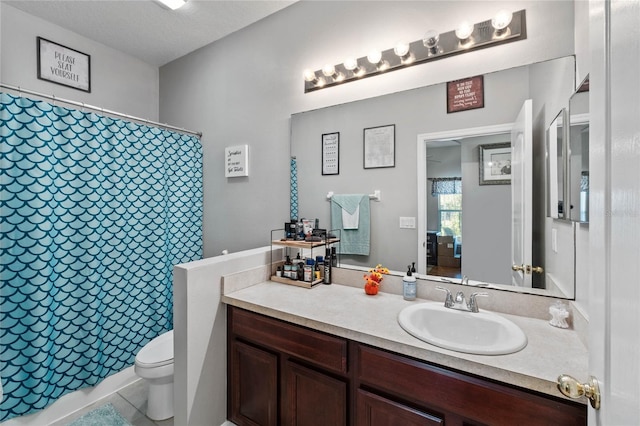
[95, 211]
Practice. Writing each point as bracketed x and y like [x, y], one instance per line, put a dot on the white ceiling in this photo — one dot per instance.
[145, 29]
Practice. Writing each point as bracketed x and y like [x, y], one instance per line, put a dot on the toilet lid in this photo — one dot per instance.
[157, 352]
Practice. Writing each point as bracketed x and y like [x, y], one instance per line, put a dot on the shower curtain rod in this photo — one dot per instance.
[95, 108]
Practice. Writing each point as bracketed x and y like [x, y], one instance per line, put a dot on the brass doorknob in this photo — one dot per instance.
[573, 389]
[517, 268]
[536, 269]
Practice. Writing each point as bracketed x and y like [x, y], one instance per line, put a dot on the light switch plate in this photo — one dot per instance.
[407, 222]
[554, 240]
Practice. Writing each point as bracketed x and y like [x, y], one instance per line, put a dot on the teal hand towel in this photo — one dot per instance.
[352, 240]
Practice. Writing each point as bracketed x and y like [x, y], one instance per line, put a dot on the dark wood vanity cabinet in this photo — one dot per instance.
[284, 374]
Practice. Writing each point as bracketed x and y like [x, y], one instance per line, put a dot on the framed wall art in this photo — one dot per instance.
[380, 147]
[62, 65]
[495, 164]
[465, 94]
[331, 153]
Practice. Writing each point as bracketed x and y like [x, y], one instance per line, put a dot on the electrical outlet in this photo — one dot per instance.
[407, 222]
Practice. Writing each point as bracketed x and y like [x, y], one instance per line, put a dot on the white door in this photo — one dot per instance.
[614, 229]
[521, 196]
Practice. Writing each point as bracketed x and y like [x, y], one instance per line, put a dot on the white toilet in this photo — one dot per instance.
[154, 363]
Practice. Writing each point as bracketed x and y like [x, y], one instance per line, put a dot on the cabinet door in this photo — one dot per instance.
[374, 410]
[312, 398]
[253, 386]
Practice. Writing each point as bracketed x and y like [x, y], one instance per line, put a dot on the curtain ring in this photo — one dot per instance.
[19, 92]
[54, 99]
[82, 107]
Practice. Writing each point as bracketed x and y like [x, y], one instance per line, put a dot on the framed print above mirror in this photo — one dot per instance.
[380, 147]
[495, 164]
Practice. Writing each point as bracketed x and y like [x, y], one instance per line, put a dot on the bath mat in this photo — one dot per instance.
[106, 415]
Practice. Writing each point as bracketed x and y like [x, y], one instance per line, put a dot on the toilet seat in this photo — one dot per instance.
[157, 353]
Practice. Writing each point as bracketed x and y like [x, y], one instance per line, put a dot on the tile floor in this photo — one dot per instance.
[131, 403]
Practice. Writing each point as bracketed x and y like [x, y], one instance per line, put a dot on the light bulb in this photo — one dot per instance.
[329, 70]
[431, 39]
[374, 56]
[401, 49]
[309, 75]
[501, 20]
[464, 30]
[350, 64]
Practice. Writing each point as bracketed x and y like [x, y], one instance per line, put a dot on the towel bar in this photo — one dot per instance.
[375, 196]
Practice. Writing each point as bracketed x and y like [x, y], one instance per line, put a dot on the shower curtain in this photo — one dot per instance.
[95, 211]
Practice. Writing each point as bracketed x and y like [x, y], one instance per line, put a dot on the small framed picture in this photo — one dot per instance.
[495, 164]
[331, 153]
[62, 65]
[380, 147]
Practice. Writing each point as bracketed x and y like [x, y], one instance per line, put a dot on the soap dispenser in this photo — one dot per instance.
[409, 285]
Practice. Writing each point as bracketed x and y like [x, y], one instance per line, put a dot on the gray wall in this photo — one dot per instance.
[119, 82]
[413, 112]
[243, 89]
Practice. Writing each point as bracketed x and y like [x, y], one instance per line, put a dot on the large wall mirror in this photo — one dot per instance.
[483, 238]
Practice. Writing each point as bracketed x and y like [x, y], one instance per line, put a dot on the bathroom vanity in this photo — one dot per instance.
[334, 356]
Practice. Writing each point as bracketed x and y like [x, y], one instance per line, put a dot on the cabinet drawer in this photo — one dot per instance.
[472, 398]
[320, 349]
[375, 410]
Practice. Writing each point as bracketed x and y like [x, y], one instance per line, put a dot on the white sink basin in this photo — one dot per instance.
[481, 333]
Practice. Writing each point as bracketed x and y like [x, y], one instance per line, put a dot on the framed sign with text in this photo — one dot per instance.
[62, 65]
[236, 161]
[465, 94]
[331, 153]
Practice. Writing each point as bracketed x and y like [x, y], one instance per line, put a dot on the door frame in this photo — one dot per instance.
[421, 156]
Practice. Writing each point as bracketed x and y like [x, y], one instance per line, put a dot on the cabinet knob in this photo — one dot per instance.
[571, 388]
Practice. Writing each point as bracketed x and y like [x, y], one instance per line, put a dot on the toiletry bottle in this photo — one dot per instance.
[318, 269]
[308, 271]
[334, 257]
[409, 285]
[326, 279]
[413, 268]
[287, 267]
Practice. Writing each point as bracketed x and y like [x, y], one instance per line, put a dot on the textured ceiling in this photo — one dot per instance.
[145, 29]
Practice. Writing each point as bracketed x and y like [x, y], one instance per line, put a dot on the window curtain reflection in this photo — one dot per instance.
[447, 185]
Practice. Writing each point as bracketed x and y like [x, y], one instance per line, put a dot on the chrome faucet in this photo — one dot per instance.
[459, 301]
[464, 280]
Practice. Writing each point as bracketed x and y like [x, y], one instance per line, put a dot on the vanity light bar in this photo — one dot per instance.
[435, 46]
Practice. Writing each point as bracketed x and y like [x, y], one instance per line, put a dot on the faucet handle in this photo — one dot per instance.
[473, 305]
[448, 302]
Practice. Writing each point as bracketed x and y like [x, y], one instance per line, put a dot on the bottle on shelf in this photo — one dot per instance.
[326, 279]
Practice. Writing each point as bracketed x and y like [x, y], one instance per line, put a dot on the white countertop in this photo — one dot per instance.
[348, 312]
